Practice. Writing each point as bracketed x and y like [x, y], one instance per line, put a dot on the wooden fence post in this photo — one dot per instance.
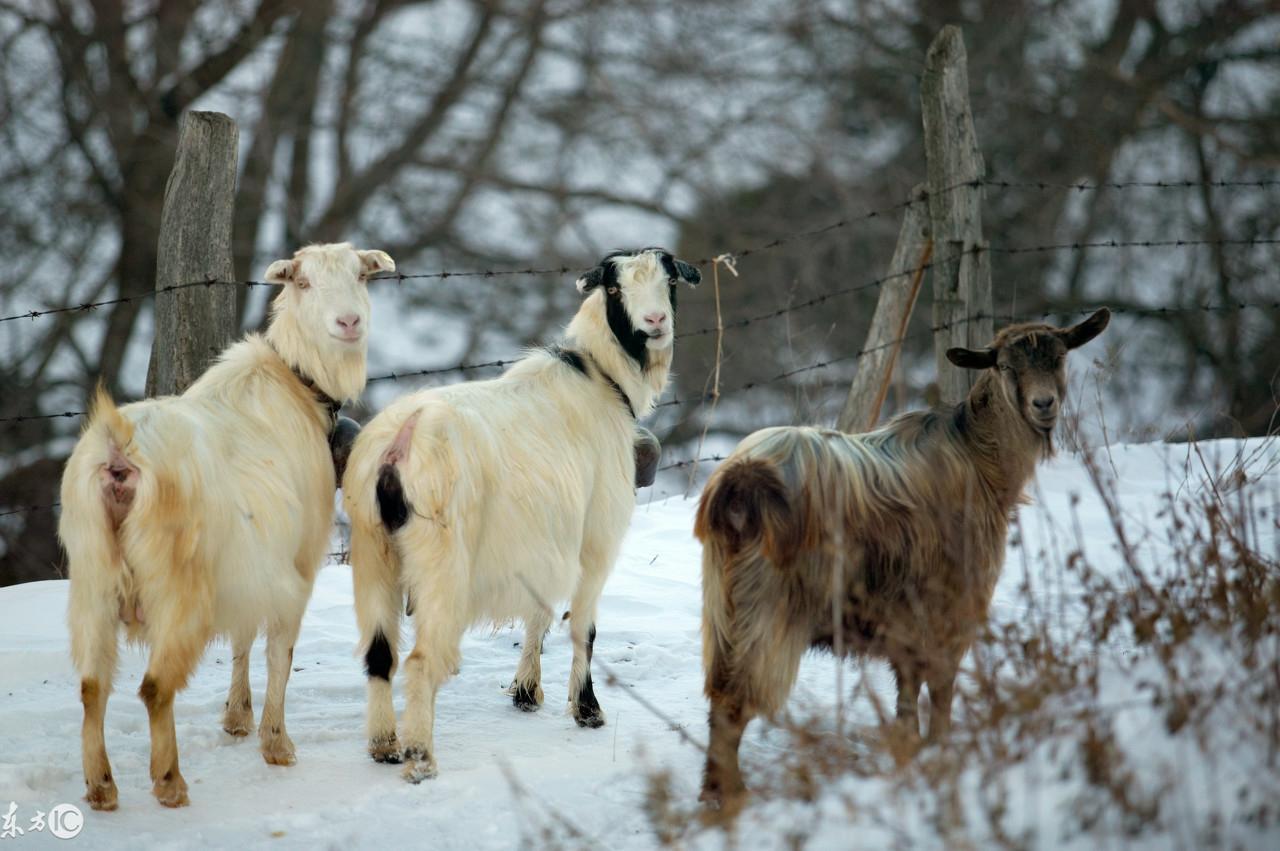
[888, 324]
[961, 266]
[194, 324]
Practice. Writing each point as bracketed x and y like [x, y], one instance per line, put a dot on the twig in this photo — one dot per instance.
[730, 263]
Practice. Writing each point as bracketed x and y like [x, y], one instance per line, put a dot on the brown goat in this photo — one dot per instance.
[900, 530]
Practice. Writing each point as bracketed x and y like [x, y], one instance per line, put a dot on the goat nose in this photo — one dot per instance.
[349, 321]
[655, 319]
[1044, 403]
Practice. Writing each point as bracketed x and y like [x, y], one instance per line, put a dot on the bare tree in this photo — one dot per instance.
[483, 133]
[1059, 96]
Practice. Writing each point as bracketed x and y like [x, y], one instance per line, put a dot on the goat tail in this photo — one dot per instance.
[106, 418]
[746, 505]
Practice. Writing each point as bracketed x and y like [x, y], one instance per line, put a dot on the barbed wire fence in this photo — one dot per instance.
[731, 325]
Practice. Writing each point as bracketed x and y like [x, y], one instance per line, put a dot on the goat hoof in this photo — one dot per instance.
[419, 765]
[238, 722]
[592, 718]
[171, 790]
[278, 750]
[526, 699]
[103, 796]
[385, 749]
[719, 805]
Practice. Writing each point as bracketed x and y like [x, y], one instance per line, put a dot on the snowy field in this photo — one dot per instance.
[506, 777]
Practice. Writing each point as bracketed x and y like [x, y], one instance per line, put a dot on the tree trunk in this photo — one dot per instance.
[961, 271]
[194, 324]
[889, 323]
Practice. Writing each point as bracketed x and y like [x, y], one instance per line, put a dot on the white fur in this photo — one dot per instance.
[230, 517]
[520, 490]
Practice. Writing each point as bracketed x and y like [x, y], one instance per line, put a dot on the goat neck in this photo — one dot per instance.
[590, 334]
[339, 373]
[1005, 448]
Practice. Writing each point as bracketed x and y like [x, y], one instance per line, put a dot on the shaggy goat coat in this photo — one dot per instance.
[886, 544]
[493, 500]
[207, 514]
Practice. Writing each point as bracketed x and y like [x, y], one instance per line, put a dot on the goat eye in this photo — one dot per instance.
[304, 284]
[612, 290]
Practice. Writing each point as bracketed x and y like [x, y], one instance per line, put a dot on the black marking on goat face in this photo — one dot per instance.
[377, 661]
[391, 502]
[669, 267]
[632, 341]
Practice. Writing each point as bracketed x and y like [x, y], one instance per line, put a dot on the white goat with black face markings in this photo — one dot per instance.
[209, 513]
[489, 501]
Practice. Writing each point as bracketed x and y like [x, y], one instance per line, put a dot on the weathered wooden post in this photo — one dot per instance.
[889, 323]
[194, 324]
[961, 265]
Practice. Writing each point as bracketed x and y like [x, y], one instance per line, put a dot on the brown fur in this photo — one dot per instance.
[885, 544]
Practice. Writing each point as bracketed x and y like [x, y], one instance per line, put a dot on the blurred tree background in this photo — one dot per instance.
[481, 134]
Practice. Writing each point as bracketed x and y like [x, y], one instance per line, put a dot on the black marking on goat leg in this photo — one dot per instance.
[525, 698]
[633, 342]
[391, 502]
[587, 711]
[570, 357]
[377, 661]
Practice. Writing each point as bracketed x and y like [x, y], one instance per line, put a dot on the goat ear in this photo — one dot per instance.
[591, 280]
[1078, 335]
[689, 274]
[971, 358]
[374, 261]
[281, 271]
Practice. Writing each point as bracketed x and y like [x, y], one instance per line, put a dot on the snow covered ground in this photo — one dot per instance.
[505, 775]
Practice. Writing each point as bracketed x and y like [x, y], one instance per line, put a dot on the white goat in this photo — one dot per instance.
[208, 513]
[491, 500]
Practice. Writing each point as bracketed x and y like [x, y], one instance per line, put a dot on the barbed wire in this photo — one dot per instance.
[976, 317]
[1135, 310]
[873, 283]
[86, 307]
[921, 197]
[782, 376]
[440, 370]
[689, 462]
[1093, 186]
